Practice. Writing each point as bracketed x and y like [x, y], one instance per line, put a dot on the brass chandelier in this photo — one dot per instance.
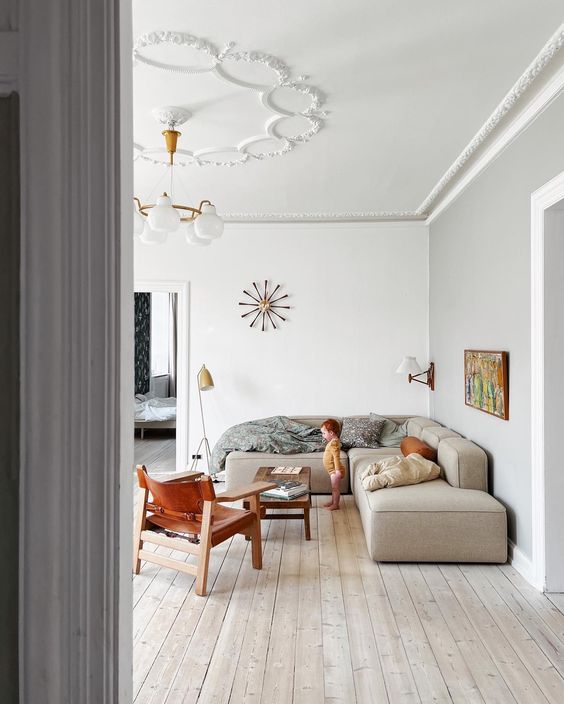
[154, 221]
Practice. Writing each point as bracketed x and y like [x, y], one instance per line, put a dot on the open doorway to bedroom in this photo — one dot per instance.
[547, 386]
[160, 364]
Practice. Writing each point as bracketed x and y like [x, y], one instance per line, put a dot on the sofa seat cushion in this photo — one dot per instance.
[432, 522]
[241, 467]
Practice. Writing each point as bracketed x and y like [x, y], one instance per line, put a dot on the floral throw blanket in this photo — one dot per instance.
[277, 434]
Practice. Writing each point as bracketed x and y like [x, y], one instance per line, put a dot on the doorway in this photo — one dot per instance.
[161, 379]
[547, 383]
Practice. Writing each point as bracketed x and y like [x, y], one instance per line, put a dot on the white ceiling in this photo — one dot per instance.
[406, 86]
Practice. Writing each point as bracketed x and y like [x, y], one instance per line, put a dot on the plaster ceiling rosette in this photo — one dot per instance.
[271, 111]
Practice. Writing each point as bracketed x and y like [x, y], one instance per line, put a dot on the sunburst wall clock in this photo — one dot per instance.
[264, 307]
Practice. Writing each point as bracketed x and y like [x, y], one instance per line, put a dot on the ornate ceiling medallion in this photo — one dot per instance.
[295, 105]
[263, 305]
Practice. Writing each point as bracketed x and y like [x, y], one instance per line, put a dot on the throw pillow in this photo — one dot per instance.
[392, 433]
[361, 432]
[411, 444]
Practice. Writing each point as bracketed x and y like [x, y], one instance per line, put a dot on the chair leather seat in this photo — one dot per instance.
[226, 521]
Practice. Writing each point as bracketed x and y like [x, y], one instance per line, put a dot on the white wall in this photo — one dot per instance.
[359, 297]
[479, 298]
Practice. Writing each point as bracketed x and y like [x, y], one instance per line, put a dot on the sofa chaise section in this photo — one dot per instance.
[432, 522]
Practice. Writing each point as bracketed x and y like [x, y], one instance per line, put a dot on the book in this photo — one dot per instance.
[284, 496]
[286, 490]
[286, 470]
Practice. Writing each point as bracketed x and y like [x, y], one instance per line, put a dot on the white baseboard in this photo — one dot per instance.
[520, 562]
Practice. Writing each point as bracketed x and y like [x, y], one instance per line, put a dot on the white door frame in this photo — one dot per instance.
[182, 390]
[542, 199]
[75, 594]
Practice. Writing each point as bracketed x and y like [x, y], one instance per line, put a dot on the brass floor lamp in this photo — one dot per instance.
[205, 383]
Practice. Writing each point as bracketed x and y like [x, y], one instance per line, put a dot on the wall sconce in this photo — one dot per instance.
[410, 367]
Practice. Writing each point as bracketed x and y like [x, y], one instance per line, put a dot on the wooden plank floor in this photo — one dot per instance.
[156, 450]
[322, 622]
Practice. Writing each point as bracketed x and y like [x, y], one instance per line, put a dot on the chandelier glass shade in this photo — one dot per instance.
[154, 221]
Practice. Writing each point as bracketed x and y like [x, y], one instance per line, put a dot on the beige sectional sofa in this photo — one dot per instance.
[450, 519]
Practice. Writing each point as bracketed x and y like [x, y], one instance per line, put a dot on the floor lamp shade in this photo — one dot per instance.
[205, 380]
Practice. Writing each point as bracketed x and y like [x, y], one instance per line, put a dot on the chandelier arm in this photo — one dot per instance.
[194, 211]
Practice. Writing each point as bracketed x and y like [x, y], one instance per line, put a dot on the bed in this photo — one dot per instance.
[152, 412]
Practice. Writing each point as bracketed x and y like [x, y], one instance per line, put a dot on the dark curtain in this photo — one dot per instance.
[142, 342]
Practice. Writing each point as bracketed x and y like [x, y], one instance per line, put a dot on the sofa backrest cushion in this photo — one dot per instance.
[463, 463]
[411, 444]
[434, 434]
[417, 424]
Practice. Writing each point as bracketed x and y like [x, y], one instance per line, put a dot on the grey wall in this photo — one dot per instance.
[10, 407]
[479, 274]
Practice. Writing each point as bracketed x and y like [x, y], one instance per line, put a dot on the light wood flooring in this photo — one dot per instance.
[157, 451]
[322, 622]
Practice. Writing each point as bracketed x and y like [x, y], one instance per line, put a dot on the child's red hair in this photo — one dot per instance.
[332, 426]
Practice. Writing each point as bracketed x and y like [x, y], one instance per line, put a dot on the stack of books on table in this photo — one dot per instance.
[286, 490]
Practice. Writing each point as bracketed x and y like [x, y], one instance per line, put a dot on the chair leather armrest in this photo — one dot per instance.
[180, 477]
[241, 492]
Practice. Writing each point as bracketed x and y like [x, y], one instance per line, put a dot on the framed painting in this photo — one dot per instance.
[486, 382]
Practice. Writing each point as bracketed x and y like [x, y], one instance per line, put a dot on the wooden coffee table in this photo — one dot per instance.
[300, 502]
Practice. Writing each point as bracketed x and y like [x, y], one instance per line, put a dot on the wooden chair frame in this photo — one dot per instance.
[209, 501]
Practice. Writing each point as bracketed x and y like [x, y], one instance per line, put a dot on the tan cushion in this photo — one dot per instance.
[399, 471]
[433, 435]
[412, 444]
[361, 457]
[432, 522]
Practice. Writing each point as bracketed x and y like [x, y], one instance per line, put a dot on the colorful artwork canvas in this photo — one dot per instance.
[485, 382]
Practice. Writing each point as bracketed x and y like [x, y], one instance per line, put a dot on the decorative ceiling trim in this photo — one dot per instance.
[322, 217]
[219, 61]
[537, 66]
[425, 212]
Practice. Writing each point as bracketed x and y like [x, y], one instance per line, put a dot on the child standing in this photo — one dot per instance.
[330, 430]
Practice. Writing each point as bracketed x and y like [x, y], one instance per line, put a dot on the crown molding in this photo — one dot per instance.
[323, 217]
[509, 103]
[299, 224]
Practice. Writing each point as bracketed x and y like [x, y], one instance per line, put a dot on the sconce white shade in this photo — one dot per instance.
[208, 225]
[163, 217]
[192, 237]
[409, 366]
[149, 236]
